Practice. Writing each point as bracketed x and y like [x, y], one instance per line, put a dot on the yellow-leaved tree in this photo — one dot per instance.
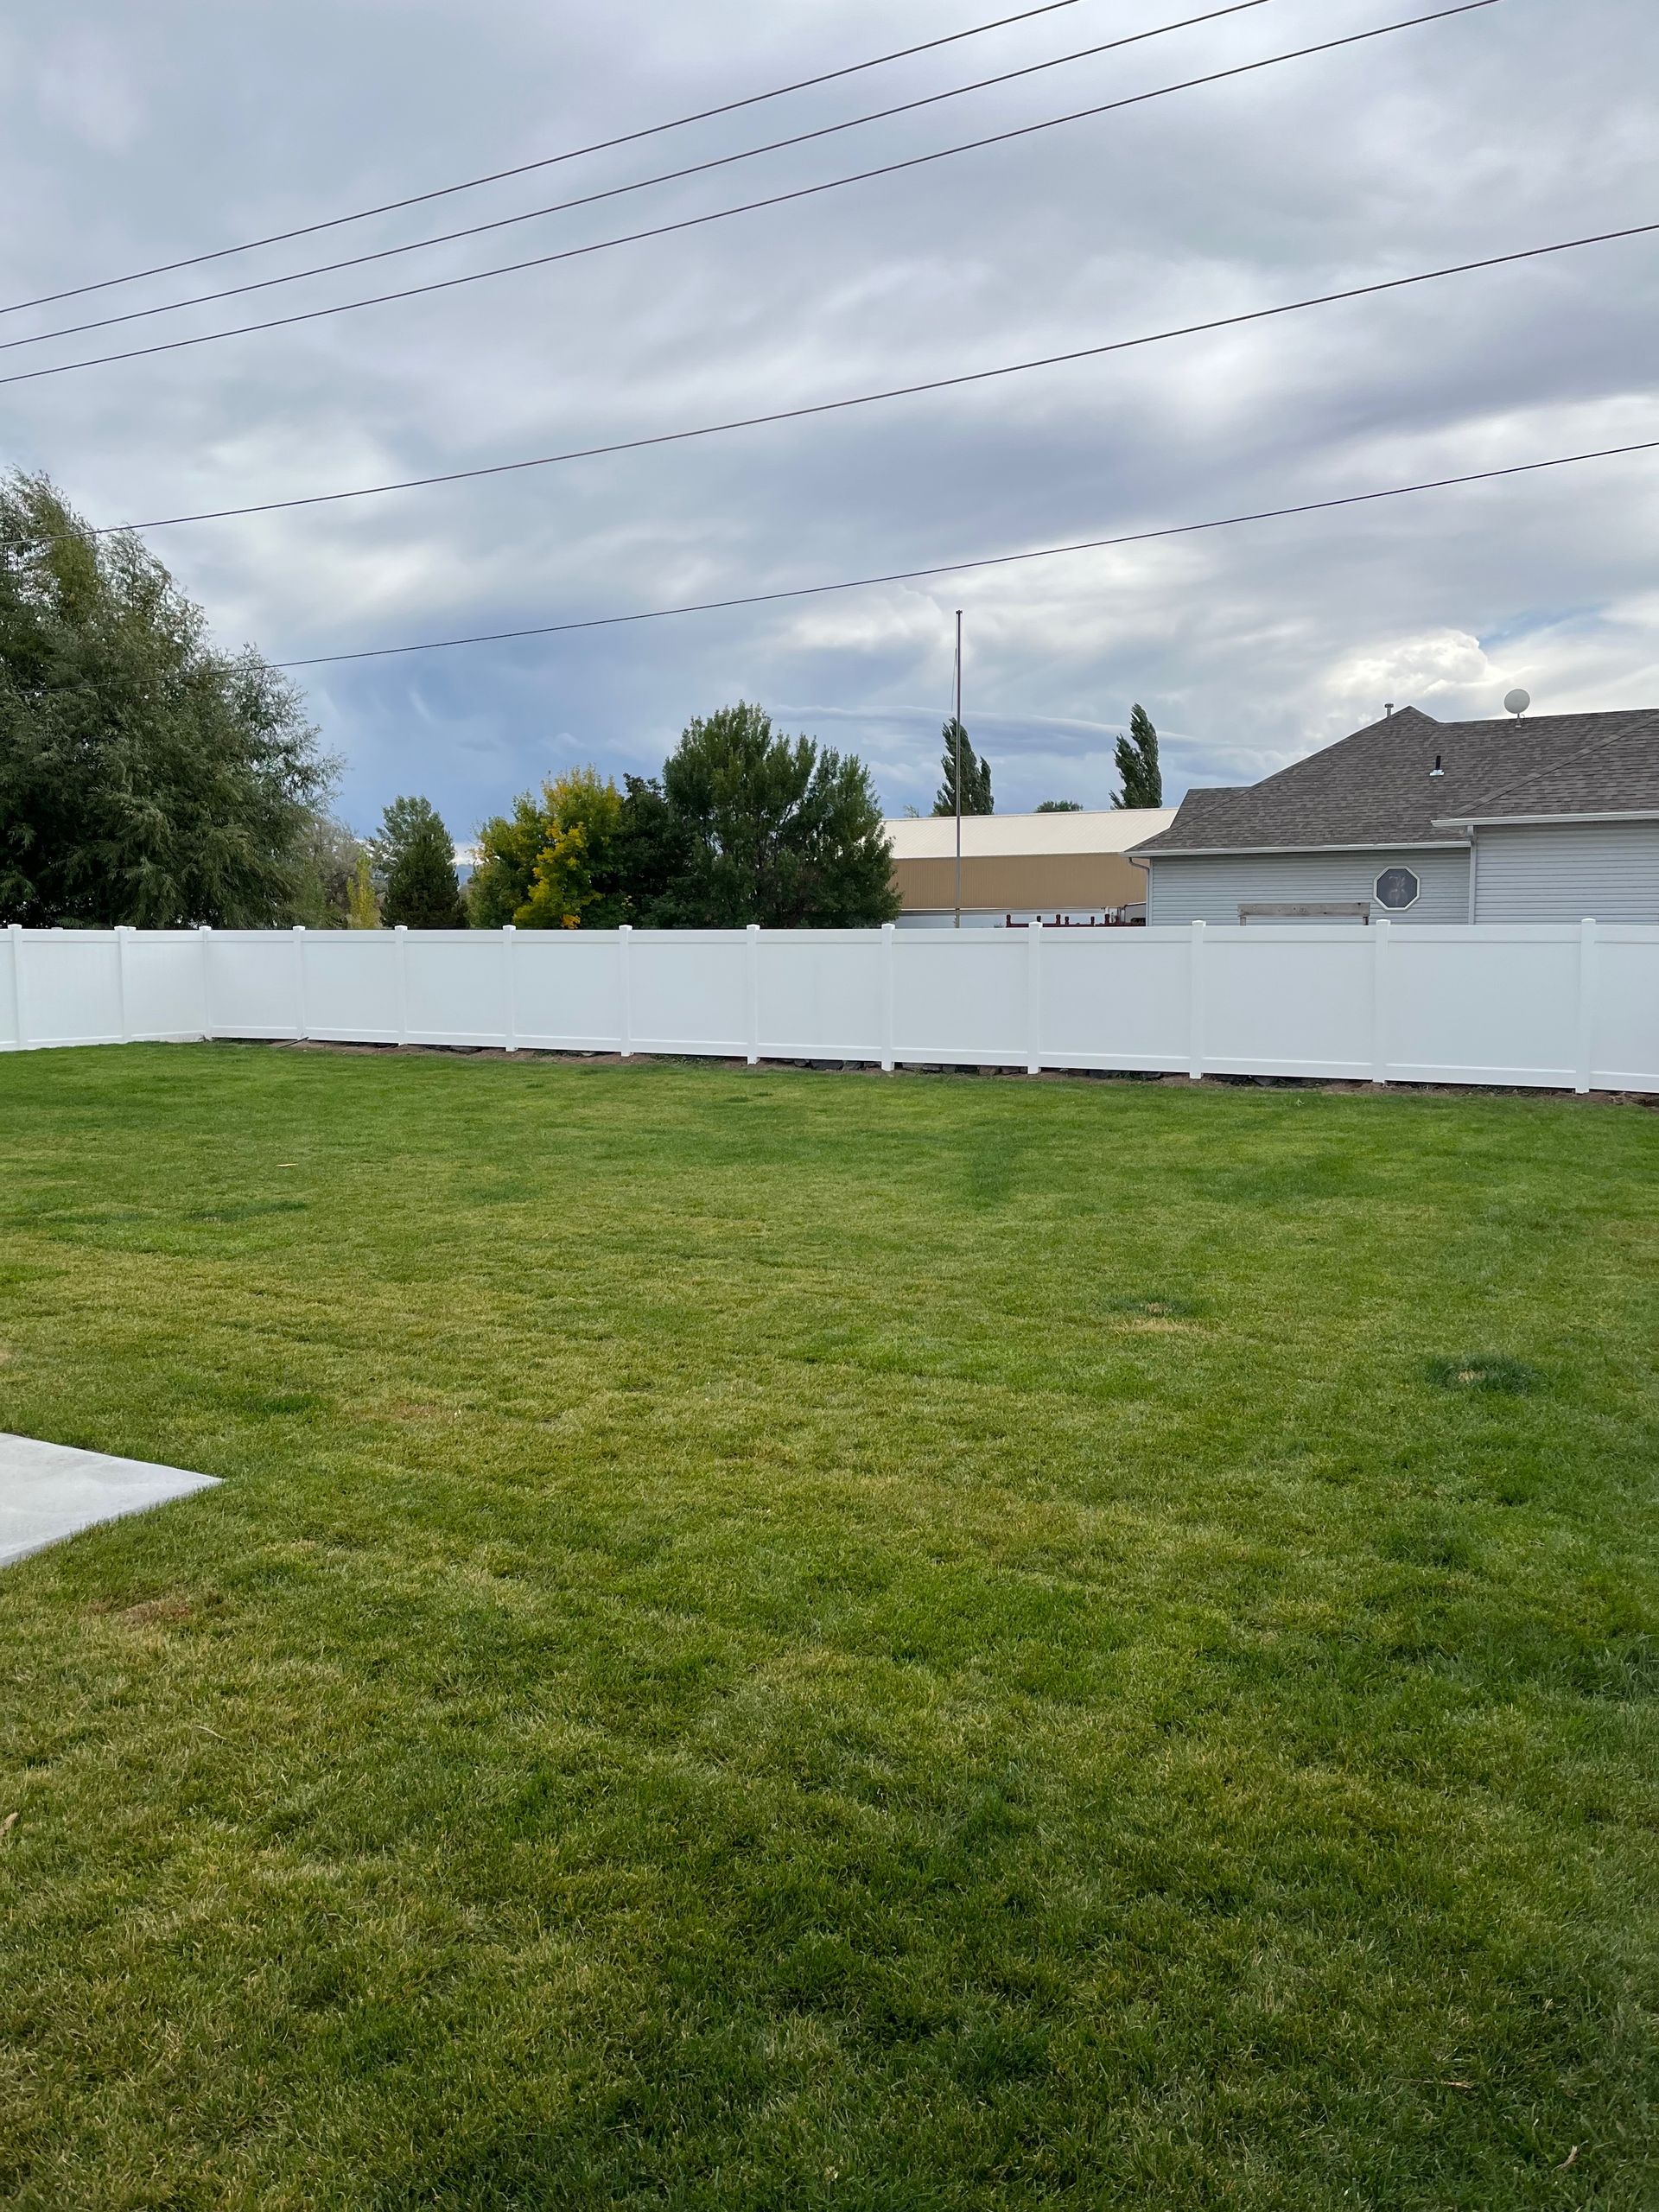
[551, 864]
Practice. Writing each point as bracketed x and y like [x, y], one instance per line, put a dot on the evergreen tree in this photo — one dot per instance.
[1137, 764]
[415, 859]
[1060, 806]
[976, 776]
[652, 853]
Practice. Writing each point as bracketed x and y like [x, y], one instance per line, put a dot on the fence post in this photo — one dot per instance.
[402, 929]
[1587, 1005]
[625, 981]
[1195, 1004]
[889, 940]
[751, 955]
[122, 933]
[508, 933]
[19, 995]
[204, 930]
[1034, 997]
[1381, 1025]
[299, 981]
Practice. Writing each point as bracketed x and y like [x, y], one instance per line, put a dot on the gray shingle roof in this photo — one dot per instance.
[1376, 787]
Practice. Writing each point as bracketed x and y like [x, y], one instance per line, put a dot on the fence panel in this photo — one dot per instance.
[1497, 1005]
[1116, 999]
[354, 985]
[252, 983]
[161, 985]
[457, 988]
[1622, 1043]
[67, 985]
[564, 987]
[960, 997]
[687, 991]
[1292, 1002]
[820, 994]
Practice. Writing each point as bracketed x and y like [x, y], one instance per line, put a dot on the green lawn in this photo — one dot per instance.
[776, 1640]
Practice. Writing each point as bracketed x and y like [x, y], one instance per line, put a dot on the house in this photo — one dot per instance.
[1545, 818]
[1068, 867]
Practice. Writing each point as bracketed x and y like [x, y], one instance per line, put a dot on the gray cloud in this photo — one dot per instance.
[133, 134]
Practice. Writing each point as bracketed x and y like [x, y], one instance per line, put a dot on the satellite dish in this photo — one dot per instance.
[1518, 703]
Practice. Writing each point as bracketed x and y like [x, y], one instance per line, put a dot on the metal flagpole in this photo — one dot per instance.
[955, 741]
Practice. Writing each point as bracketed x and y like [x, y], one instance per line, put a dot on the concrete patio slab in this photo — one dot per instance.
[48, 1491]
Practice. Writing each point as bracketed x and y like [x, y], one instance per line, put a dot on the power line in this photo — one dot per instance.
[990, 561]
[896, 392]
[774, 199]
[638, 184]
[549, 161]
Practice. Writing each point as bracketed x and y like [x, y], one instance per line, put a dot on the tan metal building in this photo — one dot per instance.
[1016, 866]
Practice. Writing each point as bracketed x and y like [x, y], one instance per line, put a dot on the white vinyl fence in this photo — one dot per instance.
[1567, 1007]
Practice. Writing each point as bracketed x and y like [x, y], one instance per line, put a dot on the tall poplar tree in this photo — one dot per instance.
[1137, 764]
[975, 775]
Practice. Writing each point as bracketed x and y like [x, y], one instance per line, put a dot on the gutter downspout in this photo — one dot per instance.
[1144, 868]
[1474, 875]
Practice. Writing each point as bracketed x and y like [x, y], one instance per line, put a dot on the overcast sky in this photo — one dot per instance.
[129, 136]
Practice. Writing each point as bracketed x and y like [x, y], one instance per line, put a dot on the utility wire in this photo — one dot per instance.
[990, 561]
[774, 199]
[550, 160]
[638, 184]
[894, 391]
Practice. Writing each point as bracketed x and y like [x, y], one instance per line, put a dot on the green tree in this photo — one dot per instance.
[1060, 806]
[508, 848]
[1137, 764]
[415, 860]
[780, 832]
[975, 775]
[145, 777]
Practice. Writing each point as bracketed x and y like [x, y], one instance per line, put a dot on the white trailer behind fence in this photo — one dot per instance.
[1560, 1007]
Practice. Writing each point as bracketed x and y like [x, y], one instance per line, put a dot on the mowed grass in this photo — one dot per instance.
[775, 1640]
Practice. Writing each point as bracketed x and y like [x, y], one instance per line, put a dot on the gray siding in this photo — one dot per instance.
[1213, 888]
[1567, 872]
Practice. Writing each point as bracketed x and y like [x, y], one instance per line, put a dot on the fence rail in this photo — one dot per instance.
[1564, 1007]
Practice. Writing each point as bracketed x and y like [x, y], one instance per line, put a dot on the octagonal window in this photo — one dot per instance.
[1396, 889]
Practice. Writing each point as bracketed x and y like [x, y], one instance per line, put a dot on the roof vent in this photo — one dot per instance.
[1517, 703]
[1437, 770]
[1388, 711]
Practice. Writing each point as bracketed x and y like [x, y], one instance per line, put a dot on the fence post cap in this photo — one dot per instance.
[402, 928]
[509, 929]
